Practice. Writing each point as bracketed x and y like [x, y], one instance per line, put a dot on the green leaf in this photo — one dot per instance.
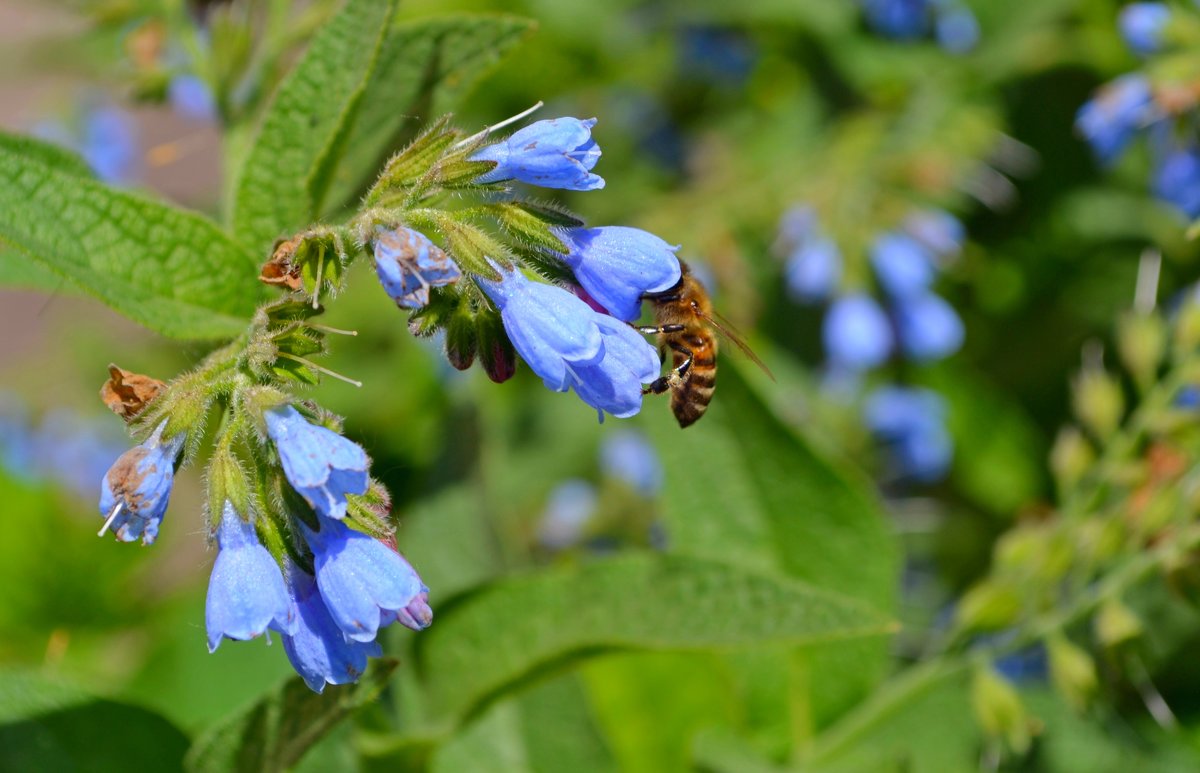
[173, 271]
[46, 724]
[548, 729]
[920, 721]
[489, 641]
[55, 156]
[424, 68]
[744, 488]
[287, 169]
[273, 734]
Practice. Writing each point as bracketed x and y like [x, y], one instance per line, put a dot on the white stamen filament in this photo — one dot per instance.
[501, 125]
[333, 330]
[319, 369]
[111, 517]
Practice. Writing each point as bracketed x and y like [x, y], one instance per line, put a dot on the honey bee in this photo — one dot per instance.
[686, 323]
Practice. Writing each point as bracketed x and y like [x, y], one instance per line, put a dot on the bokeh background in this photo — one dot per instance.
[764, 136]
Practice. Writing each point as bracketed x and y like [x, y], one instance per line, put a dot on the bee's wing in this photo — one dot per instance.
[729, 332]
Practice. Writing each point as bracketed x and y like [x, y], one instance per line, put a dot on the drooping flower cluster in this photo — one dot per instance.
[951, 22]
[1157, 103]
[304, 536]
[860, 333]
[572, 334]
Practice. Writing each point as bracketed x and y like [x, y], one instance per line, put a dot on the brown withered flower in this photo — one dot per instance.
[126, 393]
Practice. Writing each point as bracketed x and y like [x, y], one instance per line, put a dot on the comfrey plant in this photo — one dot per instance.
[304, 534]
[1123, 538]
[861, 334]
[1157, 102]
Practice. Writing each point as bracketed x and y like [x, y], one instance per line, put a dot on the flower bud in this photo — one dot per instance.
[999, 710]
[496, 352]
[1141, 342]
[1072, 671]
[987, 607]
[1098, 402]
[461, 338]
[1116, 624]
[1071, 457]
[1187, 328]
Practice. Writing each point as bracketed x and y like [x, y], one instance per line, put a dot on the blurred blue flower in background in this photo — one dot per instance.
[1111, 118]
[899, 19]
[570, 505]
[902, 264]
[812, 262]
[954, 26]
[716, 54]
[940, 232]
[1177, 180]
[626, 455]
[192, 98]
[911, 422]
[929, 328]
[1141, 26]
[856, 333]
[106, 137]
[957, 30]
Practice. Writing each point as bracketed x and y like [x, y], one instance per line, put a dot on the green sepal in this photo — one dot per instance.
[226, 481]
[372, 512]
[472, 247]
[412, 165]
[527, 224]
[999, 710]
[1142, 342]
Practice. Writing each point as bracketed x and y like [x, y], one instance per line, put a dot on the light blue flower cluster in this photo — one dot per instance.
[952, 23]
[570, 345]
[329, 617]
[575, 337]
[1130, 107]
[858, 333]
[327, 593]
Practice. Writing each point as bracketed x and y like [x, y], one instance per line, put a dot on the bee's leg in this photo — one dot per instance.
[673, 377]
[658, 329]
